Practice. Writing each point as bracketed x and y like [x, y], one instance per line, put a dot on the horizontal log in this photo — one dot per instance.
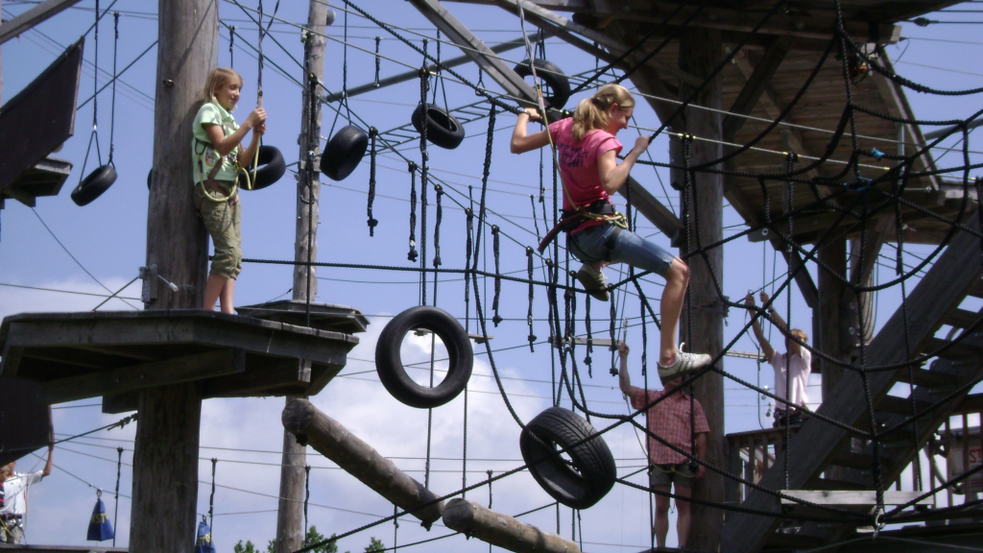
[329, 438]
[476, 521]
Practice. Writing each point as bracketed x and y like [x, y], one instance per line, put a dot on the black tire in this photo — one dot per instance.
[150, 178]
[94, 185]
[390, 366]
[272, 167]
[443, 128]
[593, 472]
[553, 77]
[343, 152]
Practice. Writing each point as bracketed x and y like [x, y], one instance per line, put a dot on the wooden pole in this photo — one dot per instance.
[290, 511]
[165, 457]
[475, 521]
[700, 52]
[359, 459]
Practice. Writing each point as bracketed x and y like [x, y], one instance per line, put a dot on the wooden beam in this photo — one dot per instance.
[473, 47]
[172, 371]
[756, 84]
[415, 73]
[774, 107]
[359, 459]
[652, 209]
[32, 17]
[473, 520]
[943, 286]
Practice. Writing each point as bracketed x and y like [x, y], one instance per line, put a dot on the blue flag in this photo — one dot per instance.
[203, 543]
[99, 526]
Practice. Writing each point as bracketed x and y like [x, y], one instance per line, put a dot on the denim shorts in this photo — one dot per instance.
[606, 243]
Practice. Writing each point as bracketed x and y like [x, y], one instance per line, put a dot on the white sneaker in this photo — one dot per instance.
[684, 364]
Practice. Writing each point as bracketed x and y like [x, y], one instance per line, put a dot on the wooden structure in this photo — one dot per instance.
[114, 354]
[819, 446]
[783, 65]
[26, 171]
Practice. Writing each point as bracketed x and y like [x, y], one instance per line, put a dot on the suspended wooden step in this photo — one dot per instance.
[475, 521]
[81, 355]
[329, 438]
[324, 316]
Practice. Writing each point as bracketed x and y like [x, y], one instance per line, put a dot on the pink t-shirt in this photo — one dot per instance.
[578, 164]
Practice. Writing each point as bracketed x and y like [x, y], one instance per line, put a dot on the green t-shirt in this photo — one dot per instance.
[203, 156]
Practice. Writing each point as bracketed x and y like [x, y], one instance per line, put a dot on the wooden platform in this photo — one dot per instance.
[44, 179]
[116, 354]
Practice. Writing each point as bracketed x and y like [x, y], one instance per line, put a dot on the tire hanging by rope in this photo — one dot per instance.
[98, 181]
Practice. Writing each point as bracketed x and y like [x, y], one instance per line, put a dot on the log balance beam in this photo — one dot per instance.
[473, 520]
[328, 437]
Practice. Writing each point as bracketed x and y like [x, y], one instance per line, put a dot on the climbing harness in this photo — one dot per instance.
[601, 210]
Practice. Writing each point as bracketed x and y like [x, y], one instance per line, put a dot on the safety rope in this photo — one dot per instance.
[372, 222]
[119, 472]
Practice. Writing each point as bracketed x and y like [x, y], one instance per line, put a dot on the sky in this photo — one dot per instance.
[61, 257]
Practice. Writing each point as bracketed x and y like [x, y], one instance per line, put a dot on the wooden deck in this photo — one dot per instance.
[115, 354]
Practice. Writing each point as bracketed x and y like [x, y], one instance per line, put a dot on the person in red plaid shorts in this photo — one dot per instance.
[670, 420]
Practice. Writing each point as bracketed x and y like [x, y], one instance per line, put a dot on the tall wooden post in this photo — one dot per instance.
[701, 51]
[165, 458]
[290, 513]
[831, 290]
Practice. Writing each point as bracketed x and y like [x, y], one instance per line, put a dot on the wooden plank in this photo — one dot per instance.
[943, 287]
[652, 209]
[900, 405]
[137, 377]
[957, 351]
[474, 48]
[32, 17]
[930, 379]
[474, 520]
[359, 459]
[854, 497]
[962, 318]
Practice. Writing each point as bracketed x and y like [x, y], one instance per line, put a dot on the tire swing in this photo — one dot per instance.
[554, 78]
[344, 152]
[443, 129]
[390, 366]
[98, 181]
[272, 168]
[592, 473]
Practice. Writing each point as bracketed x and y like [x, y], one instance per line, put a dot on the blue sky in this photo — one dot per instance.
[108, 239]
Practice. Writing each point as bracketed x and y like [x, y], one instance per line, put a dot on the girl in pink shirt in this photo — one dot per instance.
[587, 150]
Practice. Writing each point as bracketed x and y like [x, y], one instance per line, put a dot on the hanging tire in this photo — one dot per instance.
[593, 471]
[443, 128]
[390, 366]
[272, 167]
[94, 185]
[150, 178]
[552, 76]
[343, 152]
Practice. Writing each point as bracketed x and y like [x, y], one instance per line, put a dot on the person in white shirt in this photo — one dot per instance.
[15, 487]
[796, 365]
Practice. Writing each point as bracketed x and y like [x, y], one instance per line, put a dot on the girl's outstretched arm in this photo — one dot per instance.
[522, 141]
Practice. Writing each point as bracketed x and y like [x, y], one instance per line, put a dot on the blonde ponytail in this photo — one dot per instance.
[592, 113]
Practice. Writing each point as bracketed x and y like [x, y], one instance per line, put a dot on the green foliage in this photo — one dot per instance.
[248, 548]
[375, 546]
[312, 537]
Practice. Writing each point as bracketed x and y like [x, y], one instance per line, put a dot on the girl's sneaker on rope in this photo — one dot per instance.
[593, 281]
[684, 364]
